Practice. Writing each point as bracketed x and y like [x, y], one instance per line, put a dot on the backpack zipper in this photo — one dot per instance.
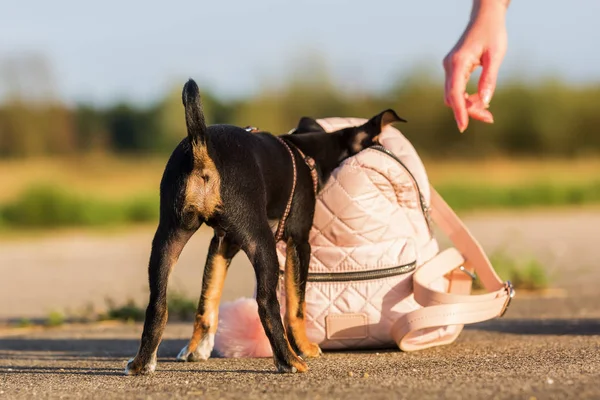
[424, 208]
[361, 275]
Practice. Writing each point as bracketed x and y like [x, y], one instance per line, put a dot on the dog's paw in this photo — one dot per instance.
[295, 365]
[311, 351]
[202, 352]
[136, 368]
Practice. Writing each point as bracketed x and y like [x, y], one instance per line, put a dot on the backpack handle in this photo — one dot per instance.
[455, 307]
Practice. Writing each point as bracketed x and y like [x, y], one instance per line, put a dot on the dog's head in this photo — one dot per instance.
[330, 149]
[356, 138]
[352, 139]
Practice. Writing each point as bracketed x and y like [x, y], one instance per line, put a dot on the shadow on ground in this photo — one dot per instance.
[118, 348]
[540, 327]
[60, 370]
[67, 349]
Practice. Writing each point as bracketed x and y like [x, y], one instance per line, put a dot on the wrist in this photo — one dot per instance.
[494, 7]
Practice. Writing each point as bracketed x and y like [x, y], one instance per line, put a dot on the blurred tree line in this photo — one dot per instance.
[548, 118]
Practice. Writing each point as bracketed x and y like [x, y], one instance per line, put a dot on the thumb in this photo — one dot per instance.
[489, 75]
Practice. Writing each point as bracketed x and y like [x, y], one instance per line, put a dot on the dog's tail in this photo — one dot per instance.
[194, 116]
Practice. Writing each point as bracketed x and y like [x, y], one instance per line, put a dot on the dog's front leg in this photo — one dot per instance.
[220, 253]
[166, 248]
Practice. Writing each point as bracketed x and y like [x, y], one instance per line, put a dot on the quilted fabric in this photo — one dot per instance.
[368, 216]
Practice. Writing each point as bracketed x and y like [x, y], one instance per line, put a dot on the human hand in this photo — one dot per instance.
[483, 43]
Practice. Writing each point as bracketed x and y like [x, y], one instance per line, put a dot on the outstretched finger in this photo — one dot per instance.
[456, 85]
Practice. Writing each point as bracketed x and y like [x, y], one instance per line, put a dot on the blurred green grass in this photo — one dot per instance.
[44, 206]
[107, 191]
[50, 206]
[471, 197]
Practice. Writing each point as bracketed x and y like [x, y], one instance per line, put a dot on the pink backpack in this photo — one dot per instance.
[377, 277]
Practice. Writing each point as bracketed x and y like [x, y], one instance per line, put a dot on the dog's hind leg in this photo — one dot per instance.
[166, 247]
[261, 251]
[220, 253]
[296, 274]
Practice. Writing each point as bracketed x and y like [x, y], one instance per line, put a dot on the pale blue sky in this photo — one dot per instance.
[132, 49]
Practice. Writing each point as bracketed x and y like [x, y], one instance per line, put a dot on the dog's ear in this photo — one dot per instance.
[383, 119]
[365, 135]
[307, 124]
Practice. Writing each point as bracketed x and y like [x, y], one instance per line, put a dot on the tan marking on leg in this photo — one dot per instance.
[294, 319]
[203, 188]
[207, 323]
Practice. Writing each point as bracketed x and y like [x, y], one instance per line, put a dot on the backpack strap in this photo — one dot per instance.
[452, 309]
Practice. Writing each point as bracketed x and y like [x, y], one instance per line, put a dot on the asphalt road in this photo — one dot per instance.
[509, 358]
[544, 348]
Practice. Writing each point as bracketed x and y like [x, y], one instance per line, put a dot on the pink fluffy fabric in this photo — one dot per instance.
[240, 332]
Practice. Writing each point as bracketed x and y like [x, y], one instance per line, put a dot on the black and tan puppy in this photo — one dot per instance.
[240, 183]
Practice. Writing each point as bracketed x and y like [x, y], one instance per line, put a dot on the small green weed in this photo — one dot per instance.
[24, 323]
[527, 273]
[55, 318]
[180, 307]
[129, 311]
